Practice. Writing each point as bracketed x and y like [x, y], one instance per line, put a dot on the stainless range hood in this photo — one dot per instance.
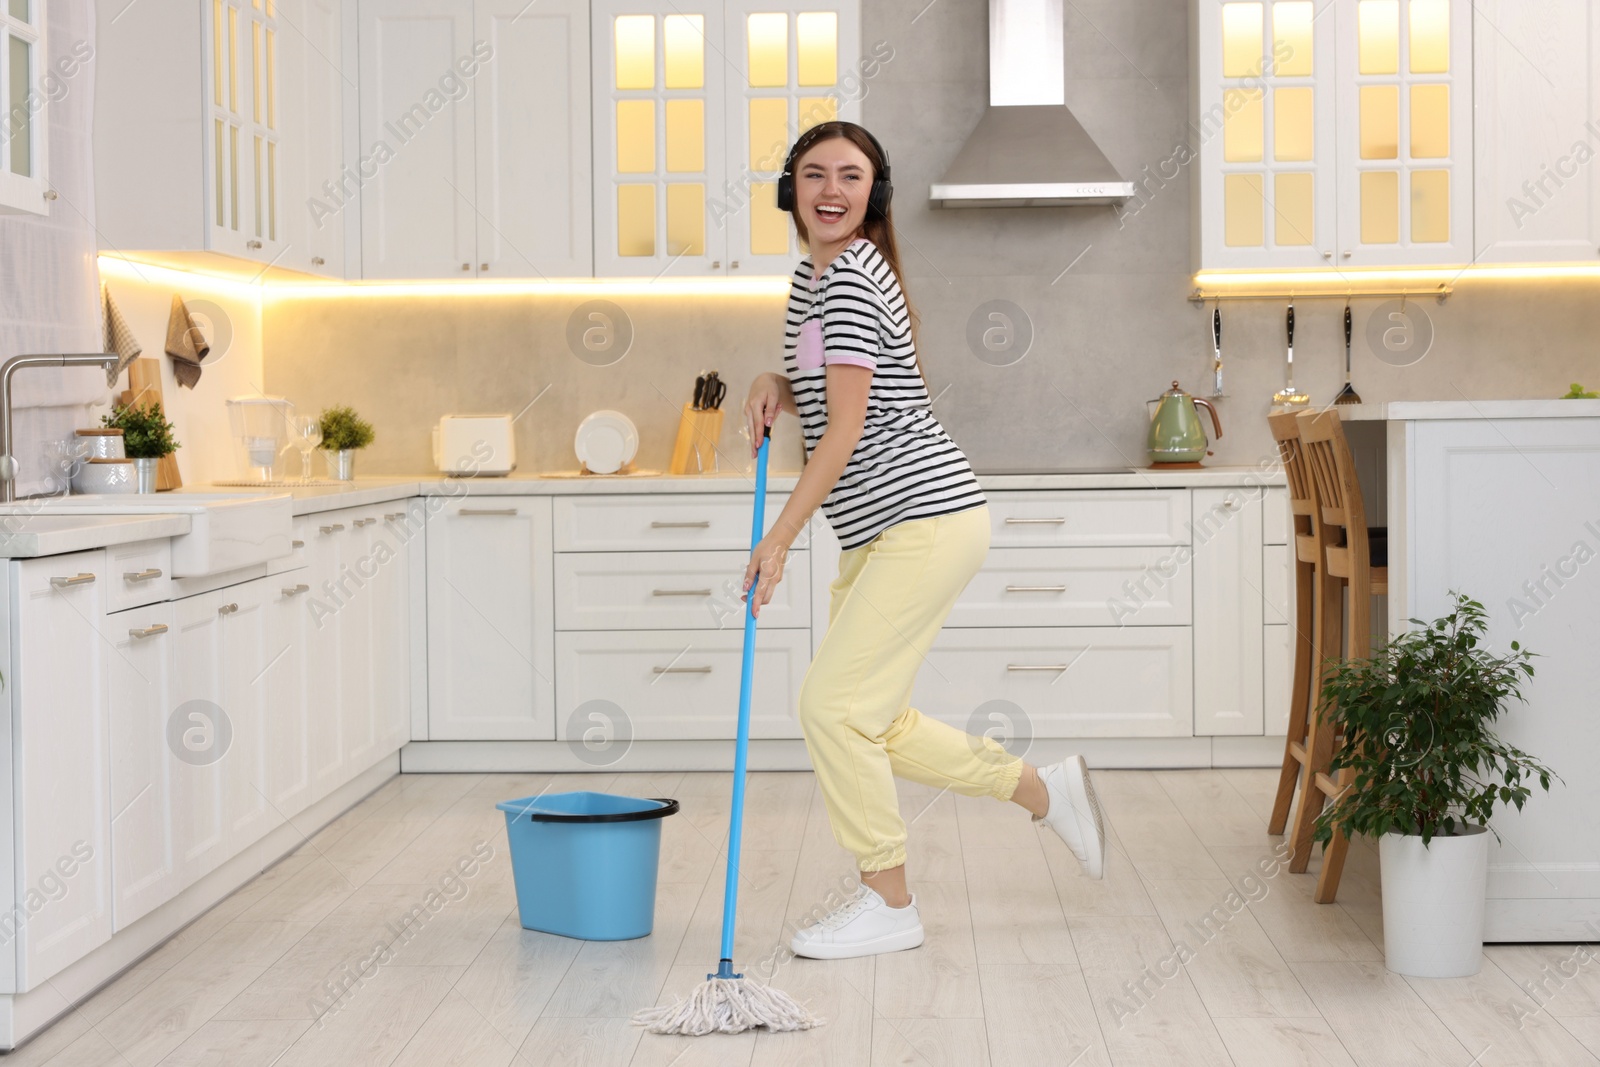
[1028, 150]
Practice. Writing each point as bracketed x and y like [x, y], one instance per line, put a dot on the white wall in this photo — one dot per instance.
[232, 368]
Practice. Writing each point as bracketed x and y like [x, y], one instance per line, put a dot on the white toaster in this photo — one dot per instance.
[474, 445]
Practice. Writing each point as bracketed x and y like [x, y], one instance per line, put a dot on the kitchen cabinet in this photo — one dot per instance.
[232, 85]
[323, 650]
[490, 652]
[321, 202]
[24, 156]
[694, 109]
[1536, 90]
[1228, 687]
[474, 126]
[60, 713]
[1333, 134]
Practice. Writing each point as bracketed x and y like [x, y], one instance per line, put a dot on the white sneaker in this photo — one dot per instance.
[863, 926]
[1074, 812]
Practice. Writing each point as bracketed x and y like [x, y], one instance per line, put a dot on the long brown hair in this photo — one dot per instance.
[880, 231]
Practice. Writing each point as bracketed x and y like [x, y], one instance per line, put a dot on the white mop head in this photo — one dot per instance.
[729, 1006]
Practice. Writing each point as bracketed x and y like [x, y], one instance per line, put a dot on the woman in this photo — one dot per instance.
[913, 526]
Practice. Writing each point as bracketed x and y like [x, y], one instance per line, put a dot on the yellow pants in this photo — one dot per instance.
[887, 605]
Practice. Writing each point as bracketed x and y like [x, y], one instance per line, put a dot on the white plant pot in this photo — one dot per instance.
[1433, 901]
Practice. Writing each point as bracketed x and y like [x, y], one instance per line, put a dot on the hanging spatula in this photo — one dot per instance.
[1289, 396]
[1348, 394]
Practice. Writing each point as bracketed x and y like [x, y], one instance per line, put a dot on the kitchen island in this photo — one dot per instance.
[1501, 500]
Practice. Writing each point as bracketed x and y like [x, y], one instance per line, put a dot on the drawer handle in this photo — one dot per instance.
[1023, 520]
[699, 524]
[227, 609]
[149, 631]
[394, 516]
[487, 511]
[331, 529]
[296, 590]
[76, 579]
[1036, 589]
[1037, 666]
[358, 523]
[681, 670]
[296, 545]
[680, 592]
[141, 576]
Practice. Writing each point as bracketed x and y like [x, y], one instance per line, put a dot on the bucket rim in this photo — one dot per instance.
[516, 809]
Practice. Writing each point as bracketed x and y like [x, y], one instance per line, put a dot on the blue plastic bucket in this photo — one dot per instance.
[585, 863]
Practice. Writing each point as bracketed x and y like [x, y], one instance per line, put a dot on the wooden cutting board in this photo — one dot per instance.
[144, 385]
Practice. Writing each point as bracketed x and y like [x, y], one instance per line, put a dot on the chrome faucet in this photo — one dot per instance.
[8, 461]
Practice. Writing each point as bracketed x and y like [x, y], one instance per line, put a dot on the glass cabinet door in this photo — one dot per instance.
[1265, 135]
[793, 67]
[1405, 134]
[22, 148]
[242, 157]
[658, 138]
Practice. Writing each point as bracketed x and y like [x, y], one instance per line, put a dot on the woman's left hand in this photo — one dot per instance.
[765, 571]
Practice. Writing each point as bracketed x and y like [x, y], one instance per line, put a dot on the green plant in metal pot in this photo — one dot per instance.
[343, 429]
[1416, 719]
[146, 433]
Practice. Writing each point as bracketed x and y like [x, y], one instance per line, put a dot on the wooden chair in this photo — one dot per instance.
[1306, 534]
[1345, 632]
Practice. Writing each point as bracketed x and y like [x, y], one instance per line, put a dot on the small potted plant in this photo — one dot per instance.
[343, 431]
[146, 437]
[1428, 773]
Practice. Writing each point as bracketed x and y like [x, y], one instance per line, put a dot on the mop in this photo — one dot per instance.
[726, 1002]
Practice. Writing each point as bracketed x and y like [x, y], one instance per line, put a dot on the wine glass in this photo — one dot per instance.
[306, 431]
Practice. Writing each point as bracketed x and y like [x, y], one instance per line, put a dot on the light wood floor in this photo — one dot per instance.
[1026, 962]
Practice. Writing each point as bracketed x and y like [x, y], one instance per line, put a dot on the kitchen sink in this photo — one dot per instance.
[227, 530]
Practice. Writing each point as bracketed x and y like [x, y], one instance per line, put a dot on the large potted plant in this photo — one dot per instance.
[146, 437]
[1428, 773]
[343, 431]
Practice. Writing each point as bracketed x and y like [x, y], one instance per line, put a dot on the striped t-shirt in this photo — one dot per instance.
[905, 466]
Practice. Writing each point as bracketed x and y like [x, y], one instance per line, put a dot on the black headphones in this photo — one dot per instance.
[882, 188]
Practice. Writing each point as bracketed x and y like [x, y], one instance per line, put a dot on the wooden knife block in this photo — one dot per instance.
[144, 385]
[695, 450]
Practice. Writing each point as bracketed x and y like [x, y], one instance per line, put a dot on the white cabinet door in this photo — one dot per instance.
[320, 198]
[59, 698]
[534, 185]
[1405, 132]
[202, 737]
[660, 151]
[786, 62]
[359, 571]
[241, 133]
[286, 721]
[1228, 599]
[1266, 186]
[419, 63]
[25, 101]
[490, 617]
[324, 650]
[1536, 94]
[248, 811]
[401, 533]
[146, 864]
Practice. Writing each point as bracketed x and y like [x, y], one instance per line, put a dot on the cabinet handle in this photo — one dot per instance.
[149, 631]
[734, 265]
[227, 609]
[680, 592]
[296, 590]
[1037, 666]
[297, 544]
[331, 529]
[681, 670]
[141, 576]
[1036, 589]
[358, 523]
[716, 264]
[1023, 521]
[466, 266]
[394, 516]
[252, 244]
[487, 511]
[699, 524]
[317, 261]
[76, 579]
[483, 266]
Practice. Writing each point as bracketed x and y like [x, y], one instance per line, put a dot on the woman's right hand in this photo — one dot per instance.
[761, 408]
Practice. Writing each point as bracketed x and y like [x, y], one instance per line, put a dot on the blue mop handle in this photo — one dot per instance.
[730, 893]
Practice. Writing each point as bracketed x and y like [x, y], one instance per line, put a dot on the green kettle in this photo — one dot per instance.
[1177, 437]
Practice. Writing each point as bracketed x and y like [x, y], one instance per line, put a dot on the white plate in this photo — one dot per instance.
[607, 441]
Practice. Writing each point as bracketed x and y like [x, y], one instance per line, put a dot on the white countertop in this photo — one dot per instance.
[26, 536]
[1412, 410]
[46, 535]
